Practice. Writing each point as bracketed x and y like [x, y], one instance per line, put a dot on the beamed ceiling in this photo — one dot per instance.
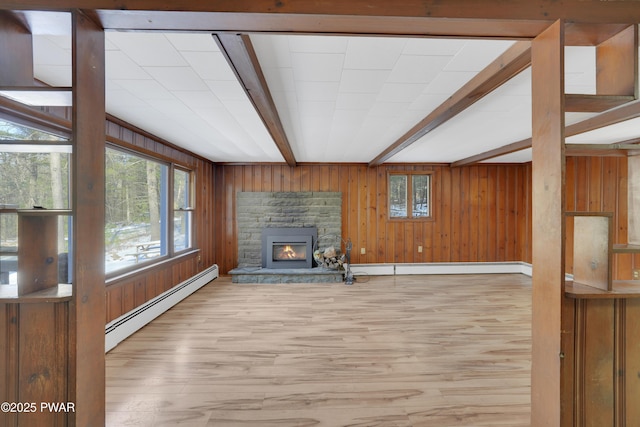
[366, 83]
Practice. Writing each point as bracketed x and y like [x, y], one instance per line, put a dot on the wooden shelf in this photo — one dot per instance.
[39, 95]
[626, 249]
[622, 289]
[60, 293]
[44, 212]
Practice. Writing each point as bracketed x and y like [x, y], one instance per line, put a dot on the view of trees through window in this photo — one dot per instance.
[182, 209]
[35, 169]
[409, 195]
[34, 172]
[134, 230]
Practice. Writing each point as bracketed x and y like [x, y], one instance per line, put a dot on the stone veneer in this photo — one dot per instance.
[258, 210]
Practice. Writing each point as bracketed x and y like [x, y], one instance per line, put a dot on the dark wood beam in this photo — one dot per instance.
[544, 10]
[503, 68]
[17, 67]
[620, 114]
[86, 339]
[242, 58]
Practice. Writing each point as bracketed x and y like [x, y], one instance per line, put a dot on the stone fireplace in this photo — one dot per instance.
[258, 211]
[288, 247]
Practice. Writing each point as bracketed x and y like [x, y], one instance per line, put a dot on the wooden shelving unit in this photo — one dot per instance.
[593, 252]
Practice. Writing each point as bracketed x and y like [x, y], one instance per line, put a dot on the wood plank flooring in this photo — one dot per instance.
[386, 351]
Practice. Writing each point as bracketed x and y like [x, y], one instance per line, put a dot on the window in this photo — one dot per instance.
[139, 210]
[182, 209]
[409, 195]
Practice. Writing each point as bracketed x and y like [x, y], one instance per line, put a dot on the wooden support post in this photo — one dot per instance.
[16, 48]
[548, 169]
[87, 314]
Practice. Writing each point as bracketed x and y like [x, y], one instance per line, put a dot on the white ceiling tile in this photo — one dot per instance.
[389, 110]
[355, 101]
[417, 69]
[272, 50]
[618, 132]
[148, 49]
[449, 81]
[117, 98]
[193, 42]
[227, 90]
[279, 79]
[427, 102]
[120, 66]
[324, 67]
[400, 92]
[373, 53]
[316, 108]
[477, 54]
[198, 99]
[317, 91]
[435, 47]
[318, 44]
[54, 75]
[177, 78]
[363, 81]
[145, 89]
[47, 50]
[209, 65]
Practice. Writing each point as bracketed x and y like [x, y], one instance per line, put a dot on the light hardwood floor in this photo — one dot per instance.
[386, 351]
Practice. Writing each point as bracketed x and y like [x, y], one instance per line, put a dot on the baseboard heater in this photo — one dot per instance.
[126, 325]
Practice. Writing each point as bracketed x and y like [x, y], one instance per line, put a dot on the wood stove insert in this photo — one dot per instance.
[289, 247]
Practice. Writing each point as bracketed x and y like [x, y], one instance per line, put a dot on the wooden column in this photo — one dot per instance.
[548, 169]
[17, 67]
[87, 314]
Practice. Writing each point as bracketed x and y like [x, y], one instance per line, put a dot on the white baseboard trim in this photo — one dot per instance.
[443, 268]
[126, 325]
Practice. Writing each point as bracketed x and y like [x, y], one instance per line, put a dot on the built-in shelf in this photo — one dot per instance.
[621, 289]
[39, 96]
[44, 212]
[60, 293]
[626, 249]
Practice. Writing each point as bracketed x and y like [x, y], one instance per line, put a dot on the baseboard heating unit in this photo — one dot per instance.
[126, 325]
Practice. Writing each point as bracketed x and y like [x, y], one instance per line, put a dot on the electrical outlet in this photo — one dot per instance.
[419, 249]
[363, 251]
[636, 274]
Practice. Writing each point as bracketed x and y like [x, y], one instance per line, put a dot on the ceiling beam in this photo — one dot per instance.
[578, 103]
[589, 11]
[510, 63]
[238, 50]
[497, 152]
[620, 114]
[621, 149]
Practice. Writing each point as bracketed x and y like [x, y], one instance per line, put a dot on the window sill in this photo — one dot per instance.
[115, 277]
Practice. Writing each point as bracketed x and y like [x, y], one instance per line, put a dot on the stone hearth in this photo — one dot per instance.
[285, 275]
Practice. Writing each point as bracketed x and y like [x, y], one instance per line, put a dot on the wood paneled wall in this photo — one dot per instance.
[599, 184]
[481, 212]
[132, 290]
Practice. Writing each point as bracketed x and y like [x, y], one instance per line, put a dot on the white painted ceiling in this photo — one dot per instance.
[340, 99]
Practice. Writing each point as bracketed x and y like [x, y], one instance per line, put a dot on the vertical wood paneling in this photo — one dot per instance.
[598, 363]
[599, 184]
[478, 215]
[632, 361]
